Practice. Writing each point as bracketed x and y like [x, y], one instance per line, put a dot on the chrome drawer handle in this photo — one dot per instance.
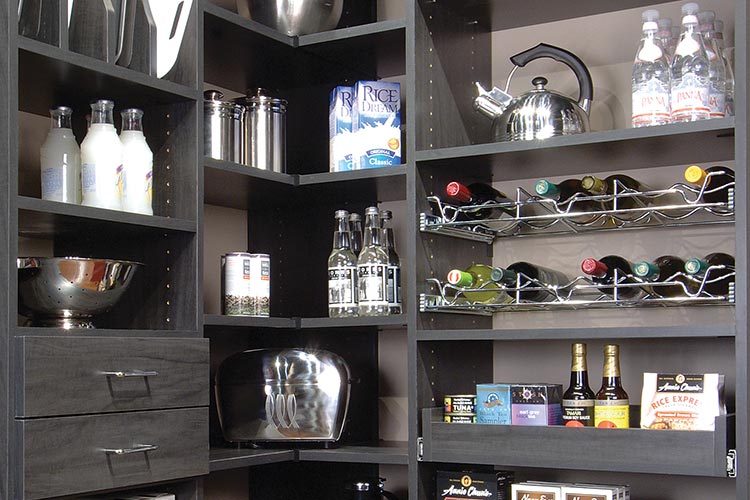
[131, 373]
[139, 448]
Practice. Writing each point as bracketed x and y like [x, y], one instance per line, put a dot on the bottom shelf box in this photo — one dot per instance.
[71, 455]
[693, 453]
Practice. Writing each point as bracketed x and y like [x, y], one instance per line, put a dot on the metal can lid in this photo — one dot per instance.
[260, 255]
[237, 254]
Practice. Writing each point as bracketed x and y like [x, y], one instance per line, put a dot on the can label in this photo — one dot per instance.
[342, 287]
[394, 286]
[612, 413]
[460, 404]
[578, 412]
[459, 419]
[247, 284]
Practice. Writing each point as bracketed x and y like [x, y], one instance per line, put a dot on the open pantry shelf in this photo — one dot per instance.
[620, 150]
[232, 185]
[689, 453]
[220, 321]
[38, 331]
[582, 333]
[382, 322]
[51, 74]
[384, 452]
[42, 218]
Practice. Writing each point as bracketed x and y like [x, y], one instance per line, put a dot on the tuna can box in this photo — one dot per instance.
[475, 485]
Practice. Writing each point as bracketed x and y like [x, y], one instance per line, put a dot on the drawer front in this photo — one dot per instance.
[73, 376]
[66, 455]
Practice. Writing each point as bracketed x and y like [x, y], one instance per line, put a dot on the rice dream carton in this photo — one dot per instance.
[376, 124]
[341, 140]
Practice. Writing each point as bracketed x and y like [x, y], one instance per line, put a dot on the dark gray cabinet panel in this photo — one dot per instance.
[67, 376]
[65, 455]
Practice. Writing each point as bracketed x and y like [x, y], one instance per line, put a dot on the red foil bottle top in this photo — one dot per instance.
[594, 267]
[458, 191]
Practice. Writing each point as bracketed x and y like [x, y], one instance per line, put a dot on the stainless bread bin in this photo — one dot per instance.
[282, 395]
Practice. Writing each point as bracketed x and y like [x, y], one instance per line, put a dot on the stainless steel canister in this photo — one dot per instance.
[222, 127]
[264, 131]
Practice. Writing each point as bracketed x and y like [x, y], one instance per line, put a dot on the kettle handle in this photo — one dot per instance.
[585, 85]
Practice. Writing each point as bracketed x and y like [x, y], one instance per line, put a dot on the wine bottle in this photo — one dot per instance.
[716, 280]
[480, 193]
[612, 184]
[717, 184]
[661, 270]
[529, 274]
[602, 272]
[342, 271]
[478, 276]
[578, 399]
[612, 406]
[566, 193]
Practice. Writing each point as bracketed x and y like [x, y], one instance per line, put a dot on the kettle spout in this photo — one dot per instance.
[491, 103]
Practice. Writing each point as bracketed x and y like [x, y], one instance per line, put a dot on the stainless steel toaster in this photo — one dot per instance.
[278, 395]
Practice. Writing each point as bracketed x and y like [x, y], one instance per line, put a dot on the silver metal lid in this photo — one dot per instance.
[258, 98]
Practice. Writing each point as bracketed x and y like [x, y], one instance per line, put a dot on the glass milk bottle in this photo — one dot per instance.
[650, 77]
[690, 77]
[101, 160]
[137, 164]
[60, 159]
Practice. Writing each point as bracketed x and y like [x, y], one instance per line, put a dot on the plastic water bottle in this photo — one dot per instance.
[729, 99]
[690, 73]
[717, 71]
[651, 75]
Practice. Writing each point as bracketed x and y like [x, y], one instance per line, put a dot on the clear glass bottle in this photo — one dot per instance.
[578, 399]
[60, 159]
[717, 70]
[137, 164]
[728, 64]
[690, 73]
[372, 269]
[342, 271]
[355, 226]
[394, 263]
[101, 160]
[650, 77]
[612, 406]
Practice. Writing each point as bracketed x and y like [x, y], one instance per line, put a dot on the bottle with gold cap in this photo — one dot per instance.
[612, 406]
[612, 184]
[578, 400]
[717, 183]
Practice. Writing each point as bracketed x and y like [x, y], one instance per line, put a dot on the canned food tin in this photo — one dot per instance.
[246, 284]
[460, 404]
[453, 418]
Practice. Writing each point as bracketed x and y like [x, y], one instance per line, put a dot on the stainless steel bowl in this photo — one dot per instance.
[294, 17]
[68, 291]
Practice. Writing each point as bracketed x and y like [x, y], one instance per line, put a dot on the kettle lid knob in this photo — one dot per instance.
[539, 82]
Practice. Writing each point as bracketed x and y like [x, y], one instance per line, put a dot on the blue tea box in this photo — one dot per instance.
[376, 123]
[341, 143]
[493, 404]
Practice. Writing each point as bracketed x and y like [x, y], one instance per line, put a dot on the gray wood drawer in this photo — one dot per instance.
[66, 376]
[65, 455]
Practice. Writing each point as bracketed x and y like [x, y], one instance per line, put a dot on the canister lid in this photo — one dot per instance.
[259, 98]
[213, 99]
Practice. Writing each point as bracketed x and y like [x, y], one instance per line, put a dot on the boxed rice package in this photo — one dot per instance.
[376, 124]
[682, 402]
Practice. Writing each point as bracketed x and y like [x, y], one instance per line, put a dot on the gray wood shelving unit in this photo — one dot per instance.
[438, 50]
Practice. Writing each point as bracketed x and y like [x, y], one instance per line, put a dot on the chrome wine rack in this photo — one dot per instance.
[531, 215]
[581, 293]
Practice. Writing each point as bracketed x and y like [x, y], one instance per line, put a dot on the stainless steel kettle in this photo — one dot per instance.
[538, 113]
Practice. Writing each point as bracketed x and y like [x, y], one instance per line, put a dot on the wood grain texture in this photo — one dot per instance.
[63, 456]
[62, 376]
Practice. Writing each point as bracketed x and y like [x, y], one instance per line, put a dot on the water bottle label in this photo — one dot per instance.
[716, 104]
[373, 284]
[690, 96]
[342, 286]
[651, 103]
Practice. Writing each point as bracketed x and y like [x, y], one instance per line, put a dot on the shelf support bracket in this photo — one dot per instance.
[420, 449]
